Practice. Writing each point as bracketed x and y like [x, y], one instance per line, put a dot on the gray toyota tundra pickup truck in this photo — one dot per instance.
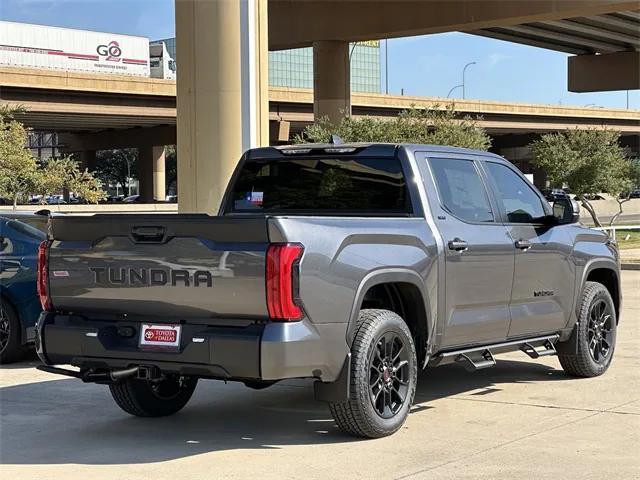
[352, 264]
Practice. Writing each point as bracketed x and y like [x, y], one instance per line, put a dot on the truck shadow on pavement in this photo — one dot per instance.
[66, 421]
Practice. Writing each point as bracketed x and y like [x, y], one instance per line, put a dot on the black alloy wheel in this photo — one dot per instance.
[5, 329]
[600, 330]
[590, 349]
[11, 348]
[383, 376]
[389, 375]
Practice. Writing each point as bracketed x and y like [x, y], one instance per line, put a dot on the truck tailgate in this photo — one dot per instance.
[173, 266]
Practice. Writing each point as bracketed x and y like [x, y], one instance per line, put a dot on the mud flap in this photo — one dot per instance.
[570, 346]
[337, 391]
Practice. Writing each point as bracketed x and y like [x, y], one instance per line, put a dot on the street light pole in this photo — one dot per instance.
[463, 82]
[451, 91]
[386, 65]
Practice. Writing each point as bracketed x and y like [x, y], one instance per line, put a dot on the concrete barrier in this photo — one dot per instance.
[102, 208]
[609, 207]
[604, 208]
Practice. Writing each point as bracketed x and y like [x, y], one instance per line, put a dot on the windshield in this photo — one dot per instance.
[322, 186]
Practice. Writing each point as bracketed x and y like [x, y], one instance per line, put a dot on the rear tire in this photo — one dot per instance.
[590, 350]
[11, 349]
[143, 398]
[383, 376]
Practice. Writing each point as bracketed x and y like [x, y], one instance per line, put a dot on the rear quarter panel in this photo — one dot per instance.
[344, 256]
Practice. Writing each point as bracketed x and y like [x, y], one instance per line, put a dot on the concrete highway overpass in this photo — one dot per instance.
[95, 112]
[85, 103]
[224, 104]
[223, 94]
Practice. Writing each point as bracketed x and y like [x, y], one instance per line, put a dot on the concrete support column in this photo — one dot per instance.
[151, 174]
[159, 177]
[331, 80]
[87, 160]
[222, 94]
[145, 174]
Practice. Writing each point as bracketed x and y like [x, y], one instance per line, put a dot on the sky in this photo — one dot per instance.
[427, 65]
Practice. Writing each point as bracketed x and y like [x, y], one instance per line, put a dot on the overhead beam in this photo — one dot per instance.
[543, 33]
[353, 20]
[589, 30]
[111, 139]
[632, 15]
[599, 73]
[85, 81]
[511, 37]
[630, 26]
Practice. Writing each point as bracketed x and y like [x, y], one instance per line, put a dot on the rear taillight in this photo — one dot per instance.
[282, 281]
[43, 276]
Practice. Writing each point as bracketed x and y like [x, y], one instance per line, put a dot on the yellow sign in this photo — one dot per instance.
[369, 43]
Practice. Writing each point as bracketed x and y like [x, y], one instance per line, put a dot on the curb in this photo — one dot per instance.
[630, 266]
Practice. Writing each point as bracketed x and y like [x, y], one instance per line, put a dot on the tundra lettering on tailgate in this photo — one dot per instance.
[151, 277]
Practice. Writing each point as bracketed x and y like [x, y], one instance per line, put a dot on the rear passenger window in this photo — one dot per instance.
[461, 190]
[521, 203]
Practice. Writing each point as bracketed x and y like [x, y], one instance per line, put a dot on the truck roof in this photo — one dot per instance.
[363, 148]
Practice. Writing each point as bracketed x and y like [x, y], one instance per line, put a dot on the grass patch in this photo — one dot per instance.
[628, 239]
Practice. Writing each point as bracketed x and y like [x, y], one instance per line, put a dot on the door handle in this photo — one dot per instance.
[458, 245]
[523, 244]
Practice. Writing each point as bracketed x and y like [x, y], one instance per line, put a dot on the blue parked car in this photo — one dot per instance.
[20, 235]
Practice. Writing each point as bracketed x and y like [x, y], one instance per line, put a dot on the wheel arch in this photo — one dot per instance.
[610, 278]
[606, 272]
[401, 291]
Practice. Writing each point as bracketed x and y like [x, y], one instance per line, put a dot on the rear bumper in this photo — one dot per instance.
[272, 351]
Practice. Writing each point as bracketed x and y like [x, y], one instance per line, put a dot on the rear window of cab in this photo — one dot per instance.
[372, 186]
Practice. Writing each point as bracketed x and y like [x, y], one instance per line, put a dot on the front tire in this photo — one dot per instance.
[11, 349]
[383, 376]
[590, 350]
[144, 398]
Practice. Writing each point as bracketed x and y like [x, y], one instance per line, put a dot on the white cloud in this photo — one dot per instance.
[495, 58]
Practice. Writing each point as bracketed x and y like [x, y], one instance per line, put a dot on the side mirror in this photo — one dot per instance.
[566, 211]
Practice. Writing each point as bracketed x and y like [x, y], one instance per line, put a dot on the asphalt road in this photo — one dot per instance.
[521, 419]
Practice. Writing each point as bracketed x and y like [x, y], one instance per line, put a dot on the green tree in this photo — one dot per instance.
[63, 173]
[589, 162]
[18, 168]
[429, 125]
[21, 175]
[117, 166]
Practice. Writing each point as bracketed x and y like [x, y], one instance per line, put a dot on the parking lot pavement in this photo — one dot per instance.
[521, 419]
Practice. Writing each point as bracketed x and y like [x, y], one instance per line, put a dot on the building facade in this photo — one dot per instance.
[294, 68]
[43, 145]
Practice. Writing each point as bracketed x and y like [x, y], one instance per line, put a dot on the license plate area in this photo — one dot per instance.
[155, 336]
